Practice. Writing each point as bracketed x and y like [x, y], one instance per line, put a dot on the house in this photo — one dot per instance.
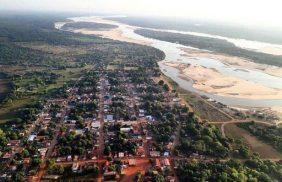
[132, 162]
[75, 167]
[95, 125]
[176, 99]
[7, 156]
[140, 151]
[166, 154]
[157, 163]
[13, 143]
[50, 177]
[166, 162]
[79, 132]
[110, 117]
[58, 115]
[155, 154]
[43, 152]
[69, 158]
[31, 138]
[126, 129]
[141, 112]
[150, 118]
[120, 154]
[108, 176]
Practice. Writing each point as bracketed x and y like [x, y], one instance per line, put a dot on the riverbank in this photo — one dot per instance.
[211, 81]
[237, 62]
[200, 106]
[114, 34]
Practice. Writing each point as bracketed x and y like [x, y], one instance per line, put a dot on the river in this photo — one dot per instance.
[174, 52]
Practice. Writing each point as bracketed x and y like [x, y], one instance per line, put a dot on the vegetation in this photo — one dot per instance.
[207, 140]
[58, 75]
[73, 144]
[88, 25]
[252, 170]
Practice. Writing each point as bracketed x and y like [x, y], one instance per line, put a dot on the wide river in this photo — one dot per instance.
[173, 52]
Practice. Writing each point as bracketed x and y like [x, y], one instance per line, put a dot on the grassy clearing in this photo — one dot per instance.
[130, 68]
[4, 88]
[8, 111]
[112, 67]
[67, 75]
[263, 149]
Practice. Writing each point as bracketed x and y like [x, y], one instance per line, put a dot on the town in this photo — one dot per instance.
[107, 123]
[113, 124]
[102, 110]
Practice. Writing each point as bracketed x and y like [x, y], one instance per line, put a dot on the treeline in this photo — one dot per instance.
[126, 53]
[212, 44]
[88, 25]
[252, 170]
[11, 54]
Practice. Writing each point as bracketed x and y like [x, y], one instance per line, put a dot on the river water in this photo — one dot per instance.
[173, 52]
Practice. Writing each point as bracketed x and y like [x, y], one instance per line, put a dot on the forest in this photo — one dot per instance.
[88, 25]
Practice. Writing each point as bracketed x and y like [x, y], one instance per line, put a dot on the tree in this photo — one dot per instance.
[51, 163]
[25, 153]
[166, 87]
[107, 150]
[161, 82]
[244, 152]
[2, 134]
[35, 161]
[18, 176]
[158, 178]
[138, 177]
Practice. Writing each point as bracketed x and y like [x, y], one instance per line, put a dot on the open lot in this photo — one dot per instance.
[141, 166]
[263, 149]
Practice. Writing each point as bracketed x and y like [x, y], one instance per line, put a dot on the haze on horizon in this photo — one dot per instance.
[263, 12]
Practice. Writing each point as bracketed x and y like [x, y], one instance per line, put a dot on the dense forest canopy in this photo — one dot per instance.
[88, 25]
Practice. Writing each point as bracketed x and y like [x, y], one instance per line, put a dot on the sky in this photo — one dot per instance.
[244, 11]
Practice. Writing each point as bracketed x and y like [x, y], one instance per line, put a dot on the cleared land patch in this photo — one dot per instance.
[263, 149]
[4, 88]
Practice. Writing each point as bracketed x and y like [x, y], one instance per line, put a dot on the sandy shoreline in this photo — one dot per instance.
[115, 34]
[271, 50]
[211, 81]
[238, 62]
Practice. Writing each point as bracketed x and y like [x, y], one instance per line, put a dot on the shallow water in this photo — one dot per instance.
[174, 53]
